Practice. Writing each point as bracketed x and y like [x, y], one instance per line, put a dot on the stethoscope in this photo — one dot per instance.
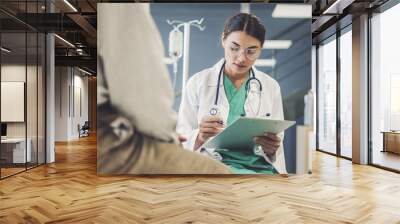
[252, 81]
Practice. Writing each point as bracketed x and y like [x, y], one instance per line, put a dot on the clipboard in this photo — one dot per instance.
[239, 135]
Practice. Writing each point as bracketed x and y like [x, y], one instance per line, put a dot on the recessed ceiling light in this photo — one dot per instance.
[84, 71]
[65, 41]
[295, 11]
[5, 50]
[277, 44]
[265, 62]
[337, 7]
[70, 5]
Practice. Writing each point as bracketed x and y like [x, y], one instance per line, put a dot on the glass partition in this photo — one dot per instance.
[22, 88]
[31, 100]
[41, 91]
[14, 152]
[346, 92]
[327, 95]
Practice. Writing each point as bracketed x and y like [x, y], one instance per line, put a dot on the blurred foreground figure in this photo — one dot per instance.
[136, 122]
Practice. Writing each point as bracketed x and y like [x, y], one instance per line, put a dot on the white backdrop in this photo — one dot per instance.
[12, 101]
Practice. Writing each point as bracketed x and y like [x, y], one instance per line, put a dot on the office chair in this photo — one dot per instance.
[84, 130]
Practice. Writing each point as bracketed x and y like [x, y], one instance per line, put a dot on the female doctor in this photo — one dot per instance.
[217, 96]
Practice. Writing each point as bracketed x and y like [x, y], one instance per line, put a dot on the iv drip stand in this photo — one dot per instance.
[186, 40]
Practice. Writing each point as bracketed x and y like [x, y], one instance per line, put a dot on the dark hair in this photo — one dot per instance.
[247, 23]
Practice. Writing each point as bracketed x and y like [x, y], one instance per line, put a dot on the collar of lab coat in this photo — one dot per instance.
[213, 80]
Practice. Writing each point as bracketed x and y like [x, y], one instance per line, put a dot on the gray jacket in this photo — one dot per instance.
[131, 75]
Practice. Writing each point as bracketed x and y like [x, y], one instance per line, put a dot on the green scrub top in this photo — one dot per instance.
[241, 161]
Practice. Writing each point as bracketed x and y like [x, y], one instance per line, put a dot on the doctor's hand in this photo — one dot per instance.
[269, 142]
[208, 127]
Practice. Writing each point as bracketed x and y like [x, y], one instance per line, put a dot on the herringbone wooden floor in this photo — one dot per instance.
[69, 191]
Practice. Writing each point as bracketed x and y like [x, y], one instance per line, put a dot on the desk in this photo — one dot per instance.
[13, 150]
[391, 141]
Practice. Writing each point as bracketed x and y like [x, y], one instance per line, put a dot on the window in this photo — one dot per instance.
[327, 95]
[385, 86]
[346, 92]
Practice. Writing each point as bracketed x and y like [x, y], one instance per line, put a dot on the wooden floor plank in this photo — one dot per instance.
[69, 191]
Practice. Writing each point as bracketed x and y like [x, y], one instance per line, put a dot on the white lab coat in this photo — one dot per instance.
[200, 95]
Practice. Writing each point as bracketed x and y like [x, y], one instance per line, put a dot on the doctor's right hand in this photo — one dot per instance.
[208, 127]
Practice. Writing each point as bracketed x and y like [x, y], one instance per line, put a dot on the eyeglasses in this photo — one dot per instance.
[250, 53]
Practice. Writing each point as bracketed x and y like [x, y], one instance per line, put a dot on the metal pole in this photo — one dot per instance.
[186, 39]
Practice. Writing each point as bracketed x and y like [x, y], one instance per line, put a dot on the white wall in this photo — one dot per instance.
[12, 73]
[71, 94]
[61, 103]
